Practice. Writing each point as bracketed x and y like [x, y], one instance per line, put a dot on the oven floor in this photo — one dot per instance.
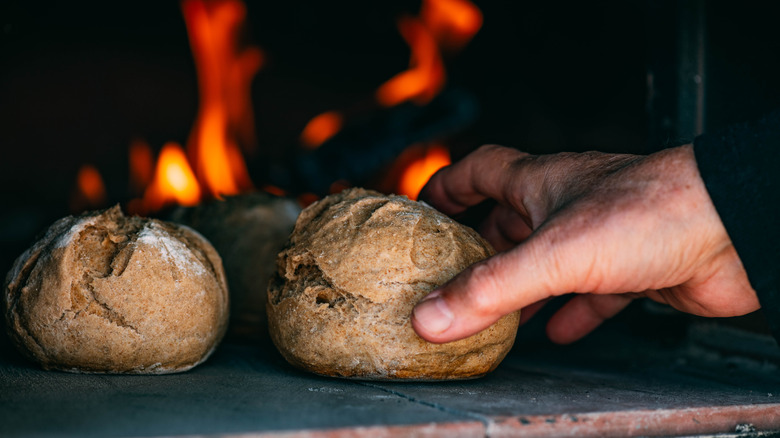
[714, 380]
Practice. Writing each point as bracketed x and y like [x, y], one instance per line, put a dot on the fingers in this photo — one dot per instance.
[486, 173]
[582, 314]
[721, 289]
[504, 228]
[596, 223]
[560, 257]
[482, 294]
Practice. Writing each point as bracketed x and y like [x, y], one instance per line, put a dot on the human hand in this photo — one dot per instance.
[608, 227]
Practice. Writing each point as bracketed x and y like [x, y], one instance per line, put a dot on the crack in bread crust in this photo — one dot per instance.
[308, 283]
[116, 248]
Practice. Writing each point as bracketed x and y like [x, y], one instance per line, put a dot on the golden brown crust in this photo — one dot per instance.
[354, 268]
[107, 293]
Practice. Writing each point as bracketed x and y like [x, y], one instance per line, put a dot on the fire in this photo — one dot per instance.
[442, 24]
[420, 170]
[321, 128]
[452, 22]
[223, 126]
[224, 78]
[90, 189]
[214, 165]
[174, 180]
[425, 76]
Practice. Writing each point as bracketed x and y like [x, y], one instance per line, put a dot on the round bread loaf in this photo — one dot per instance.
[106, 293]
[346, 284]
[248, 231]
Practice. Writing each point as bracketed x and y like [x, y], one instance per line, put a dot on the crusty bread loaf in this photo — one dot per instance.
[106, 293]
[354, 268]
[248, 231]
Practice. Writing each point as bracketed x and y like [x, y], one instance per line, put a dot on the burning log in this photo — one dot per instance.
[413, 109]
[367, 144]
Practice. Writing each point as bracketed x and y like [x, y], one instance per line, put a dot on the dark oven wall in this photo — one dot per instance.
[80, 81]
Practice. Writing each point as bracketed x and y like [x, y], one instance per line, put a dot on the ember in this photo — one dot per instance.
[90, 190]
[321, 128]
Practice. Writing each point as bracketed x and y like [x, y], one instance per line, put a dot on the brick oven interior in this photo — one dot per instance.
[80, 82]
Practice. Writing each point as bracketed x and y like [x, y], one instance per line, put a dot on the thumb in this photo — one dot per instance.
[484, 292]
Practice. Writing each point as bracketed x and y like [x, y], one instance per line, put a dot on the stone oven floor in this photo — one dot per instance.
[714, 380]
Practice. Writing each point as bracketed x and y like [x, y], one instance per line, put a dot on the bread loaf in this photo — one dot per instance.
[248, 231]
[106, 293]
[346, 284]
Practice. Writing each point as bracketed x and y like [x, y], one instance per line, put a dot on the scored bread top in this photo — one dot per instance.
[371, 244]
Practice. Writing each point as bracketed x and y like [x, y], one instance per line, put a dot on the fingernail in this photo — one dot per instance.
[433, 314]
[431, 295]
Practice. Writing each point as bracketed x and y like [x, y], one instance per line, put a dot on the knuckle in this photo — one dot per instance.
[500, 153]
[489, 148]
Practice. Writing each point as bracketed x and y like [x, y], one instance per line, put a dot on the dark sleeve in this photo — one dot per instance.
[741, 170]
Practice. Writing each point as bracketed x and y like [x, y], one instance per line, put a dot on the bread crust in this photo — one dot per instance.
[106, 293]
[248, 231]
[346, 284]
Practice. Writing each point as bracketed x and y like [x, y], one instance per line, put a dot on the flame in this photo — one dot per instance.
[425, 76]
[441, 25]
[420, 171]
[224, 123]
[174, 180]
[321, 128]
[238, 95]
[90, 186]
[452, 22]
[224, 79]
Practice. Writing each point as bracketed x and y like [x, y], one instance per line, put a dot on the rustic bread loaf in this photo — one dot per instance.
[248, 231]
[106, 293]
[355, 266]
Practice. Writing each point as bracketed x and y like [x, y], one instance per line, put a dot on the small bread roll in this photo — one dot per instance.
[105, 293]
[346, 284]
[248, 231]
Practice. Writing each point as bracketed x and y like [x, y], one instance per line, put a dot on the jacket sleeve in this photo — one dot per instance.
[741, 170]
